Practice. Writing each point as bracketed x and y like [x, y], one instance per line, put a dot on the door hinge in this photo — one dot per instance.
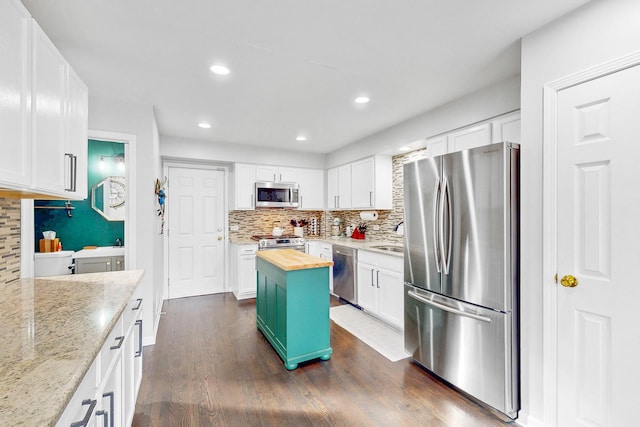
[555, 278]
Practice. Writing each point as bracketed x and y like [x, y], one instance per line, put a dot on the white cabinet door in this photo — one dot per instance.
[506, 128]
[344, 187]
[77, 105]
[380, 286]
[391, 296]
[266, 173]
[312, 194]
[288, 175]
[367, 291]
[437, 146]
[362, 184]
[245, 181]
[475, 136]
[15, 94]
[247, 272]
[48, 103]
[313, 248]
[332, 188]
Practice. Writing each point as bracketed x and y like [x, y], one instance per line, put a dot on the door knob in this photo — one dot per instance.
[219, 237]
[569, 281]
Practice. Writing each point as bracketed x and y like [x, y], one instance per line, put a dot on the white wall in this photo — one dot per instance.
[489, 102]
[197, 150]
[139, 120]
[598, 32]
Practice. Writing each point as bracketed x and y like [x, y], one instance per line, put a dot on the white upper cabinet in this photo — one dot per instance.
[276, 173]
[15, 95]
[365, 184]
[76, 141]
[505, 128]
[312, 192]
[48, 106]
[44, 112]
[244, 178]
[371, 183]
[339, 187]
[311, 182]
[471, 137]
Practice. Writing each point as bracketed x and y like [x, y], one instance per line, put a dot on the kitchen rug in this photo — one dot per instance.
[384, 339]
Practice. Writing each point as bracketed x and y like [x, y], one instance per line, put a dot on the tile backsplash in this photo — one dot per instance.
[9, 239]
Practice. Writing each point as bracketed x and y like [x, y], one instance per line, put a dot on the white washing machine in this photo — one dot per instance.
[53, 263]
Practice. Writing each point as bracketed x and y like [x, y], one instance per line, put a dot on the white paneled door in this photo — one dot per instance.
[599, 251]
[195, 203]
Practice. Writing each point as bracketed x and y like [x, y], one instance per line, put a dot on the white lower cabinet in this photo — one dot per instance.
[243, 270]
[380, 287]
[321, 250]
[107, 394]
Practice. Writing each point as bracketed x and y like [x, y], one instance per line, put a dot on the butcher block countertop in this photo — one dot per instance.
[52, 329]
[290, 259]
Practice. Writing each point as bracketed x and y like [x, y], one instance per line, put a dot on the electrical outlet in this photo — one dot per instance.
[234, 228]
[376, 228]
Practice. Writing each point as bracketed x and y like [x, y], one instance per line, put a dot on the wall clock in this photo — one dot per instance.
[116, 192]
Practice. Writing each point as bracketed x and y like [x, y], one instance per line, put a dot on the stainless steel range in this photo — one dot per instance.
[286, 241]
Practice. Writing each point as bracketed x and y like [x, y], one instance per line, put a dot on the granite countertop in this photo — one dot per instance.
[290, 259]
[364, 244]
[52, 329]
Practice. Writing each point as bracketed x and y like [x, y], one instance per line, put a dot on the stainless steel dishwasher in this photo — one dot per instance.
[344, 273]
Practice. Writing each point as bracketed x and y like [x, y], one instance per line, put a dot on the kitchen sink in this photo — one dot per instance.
[389, 248]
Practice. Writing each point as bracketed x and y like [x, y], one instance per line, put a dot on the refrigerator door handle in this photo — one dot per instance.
[446, 253]
[436, 224]
[449, 309]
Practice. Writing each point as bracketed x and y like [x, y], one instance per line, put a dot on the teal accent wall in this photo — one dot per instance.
[86, 227]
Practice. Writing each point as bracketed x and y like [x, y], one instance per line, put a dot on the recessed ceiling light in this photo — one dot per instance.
[301, 138]
[361, 100]
[220, 70]
[204, 125]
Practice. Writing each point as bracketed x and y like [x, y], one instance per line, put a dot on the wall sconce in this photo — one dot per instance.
[117, 159]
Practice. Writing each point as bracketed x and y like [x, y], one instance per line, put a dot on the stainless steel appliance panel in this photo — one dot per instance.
[421, 250]
[478, 257]
[470, 347]
[344, 273]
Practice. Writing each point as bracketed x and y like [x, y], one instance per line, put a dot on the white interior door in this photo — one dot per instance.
[598, 243]
[195, 203]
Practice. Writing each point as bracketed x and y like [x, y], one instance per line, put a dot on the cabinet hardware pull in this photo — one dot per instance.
[372, 277]
[139, 351]
[371, 198]
[104, 414]
[377, 278]
[73, 172]
[87, 416]
[117, 346]
[139, 300]
[111, 395]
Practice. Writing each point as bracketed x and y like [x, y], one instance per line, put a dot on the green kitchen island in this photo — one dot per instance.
[292, 304]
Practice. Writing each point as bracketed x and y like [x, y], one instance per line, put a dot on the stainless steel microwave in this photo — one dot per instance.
[277, 194]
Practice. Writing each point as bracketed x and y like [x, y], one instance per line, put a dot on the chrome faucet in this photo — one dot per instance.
[118, 242]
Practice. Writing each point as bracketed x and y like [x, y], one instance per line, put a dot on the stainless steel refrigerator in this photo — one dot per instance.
[461, 271]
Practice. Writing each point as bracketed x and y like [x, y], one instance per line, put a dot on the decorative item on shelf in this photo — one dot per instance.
[160, 192]
[359, 231]
[298, 226]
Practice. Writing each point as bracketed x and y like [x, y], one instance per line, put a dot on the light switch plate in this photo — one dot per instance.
[234, 228]
[376, 228]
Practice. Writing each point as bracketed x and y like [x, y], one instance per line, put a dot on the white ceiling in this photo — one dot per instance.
[296, 65]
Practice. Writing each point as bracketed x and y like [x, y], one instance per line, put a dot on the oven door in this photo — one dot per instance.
[276, 195]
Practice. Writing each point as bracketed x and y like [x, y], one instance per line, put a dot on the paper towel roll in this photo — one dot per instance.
[369, 215]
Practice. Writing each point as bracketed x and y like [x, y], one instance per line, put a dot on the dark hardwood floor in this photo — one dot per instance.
[212, 367]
